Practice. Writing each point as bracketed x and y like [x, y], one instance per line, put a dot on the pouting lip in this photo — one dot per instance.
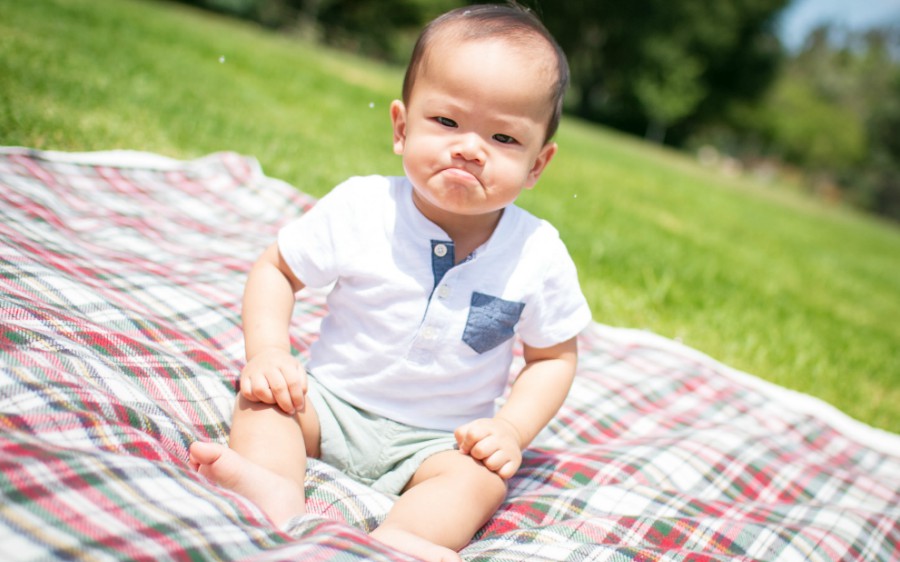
[460, 175]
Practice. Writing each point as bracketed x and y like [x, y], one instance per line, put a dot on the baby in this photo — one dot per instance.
[433, 275]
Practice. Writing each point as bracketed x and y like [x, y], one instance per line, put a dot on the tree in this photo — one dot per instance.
[834, 112]
[648, 65]
[381, 29]
[875, 182]
[669, 89]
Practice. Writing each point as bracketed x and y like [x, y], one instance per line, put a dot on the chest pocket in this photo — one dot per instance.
[491, 321]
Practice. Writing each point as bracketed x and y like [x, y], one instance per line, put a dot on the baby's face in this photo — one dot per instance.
[473, 134]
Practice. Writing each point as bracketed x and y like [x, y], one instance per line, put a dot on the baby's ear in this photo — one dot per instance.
[540, 164]
[398, 120]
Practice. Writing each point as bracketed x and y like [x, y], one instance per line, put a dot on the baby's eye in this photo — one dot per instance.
[504, 139]
[446, 122]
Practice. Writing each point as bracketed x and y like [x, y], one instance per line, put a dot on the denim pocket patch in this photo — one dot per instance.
[491, 321]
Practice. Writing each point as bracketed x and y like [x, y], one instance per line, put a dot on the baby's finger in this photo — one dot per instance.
[501, 463]
[246, 389]
[281, 394]
[485, 449]
[253, 391]
[297, 389]
[260, 390]
[507, 471]
[460, 435]
[495, 460]
[469, 435]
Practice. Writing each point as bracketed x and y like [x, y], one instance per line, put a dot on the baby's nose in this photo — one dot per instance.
[469, 147]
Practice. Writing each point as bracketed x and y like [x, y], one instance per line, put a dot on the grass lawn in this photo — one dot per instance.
[794, 291]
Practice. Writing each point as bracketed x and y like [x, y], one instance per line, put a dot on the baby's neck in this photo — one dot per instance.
[468, 233]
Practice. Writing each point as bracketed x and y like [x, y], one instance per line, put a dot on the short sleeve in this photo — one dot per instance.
[558, 311]
[316, 244]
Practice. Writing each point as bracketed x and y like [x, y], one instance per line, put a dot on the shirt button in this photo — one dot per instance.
[429, 333]
[440, 250]
[443, 291]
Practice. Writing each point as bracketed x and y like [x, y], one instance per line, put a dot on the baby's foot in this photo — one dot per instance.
[415, 545]
[280, 498]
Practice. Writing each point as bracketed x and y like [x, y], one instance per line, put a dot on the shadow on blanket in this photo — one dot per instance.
[120, 280]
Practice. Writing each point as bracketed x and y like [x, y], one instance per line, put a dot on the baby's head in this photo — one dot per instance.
[481, 100]
[510, 23]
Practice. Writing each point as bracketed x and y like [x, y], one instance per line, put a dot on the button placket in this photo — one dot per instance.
[442, 259]
[437, 314]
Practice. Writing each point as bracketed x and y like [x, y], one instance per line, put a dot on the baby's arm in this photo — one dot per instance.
[536, 396]
[272, 375]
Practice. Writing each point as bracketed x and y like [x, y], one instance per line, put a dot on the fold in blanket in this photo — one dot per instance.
[120, 283]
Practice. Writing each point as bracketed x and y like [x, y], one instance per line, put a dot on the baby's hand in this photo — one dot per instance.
[274, 376]
[494, 442]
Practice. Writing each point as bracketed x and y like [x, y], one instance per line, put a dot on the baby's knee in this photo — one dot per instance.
[467, 477]
[488, 485]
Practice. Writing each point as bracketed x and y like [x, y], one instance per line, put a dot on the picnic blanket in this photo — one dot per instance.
[121, 275]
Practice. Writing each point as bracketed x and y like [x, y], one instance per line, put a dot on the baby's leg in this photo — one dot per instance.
[266, 462]
[448, 499]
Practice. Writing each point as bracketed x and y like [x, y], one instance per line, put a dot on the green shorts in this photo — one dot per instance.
[371, 449]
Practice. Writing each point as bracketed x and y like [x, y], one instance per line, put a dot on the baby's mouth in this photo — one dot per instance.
[460, 175]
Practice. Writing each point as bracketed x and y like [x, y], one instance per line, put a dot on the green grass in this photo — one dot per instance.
[794, 291]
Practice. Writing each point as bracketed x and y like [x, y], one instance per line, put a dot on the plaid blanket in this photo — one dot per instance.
[120, 280]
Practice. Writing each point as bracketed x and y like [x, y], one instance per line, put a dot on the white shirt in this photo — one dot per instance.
[409, 336]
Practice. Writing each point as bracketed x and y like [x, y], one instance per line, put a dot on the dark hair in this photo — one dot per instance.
[510, 21]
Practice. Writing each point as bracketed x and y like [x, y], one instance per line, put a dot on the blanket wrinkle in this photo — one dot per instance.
[120, 344]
